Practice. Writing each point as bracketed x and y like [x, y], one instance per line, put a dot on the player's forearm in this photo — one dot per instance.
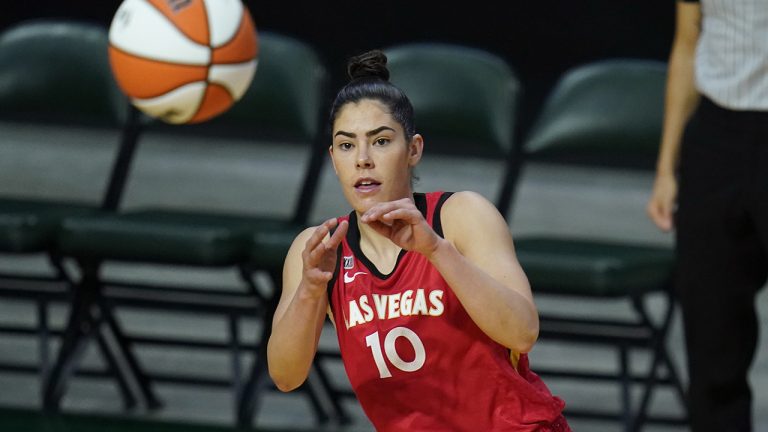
[504, 314]
[293, 342]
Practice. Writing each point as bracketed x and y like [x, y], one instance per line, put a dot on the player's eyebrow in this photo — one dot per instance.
[378, 130]
[369, 133]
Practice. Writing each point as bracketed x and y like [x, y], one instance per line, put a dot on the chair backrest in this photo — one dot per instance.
[284, 103]
[58, 71]
[285, 99]
[607, 113]
[465, 99]
[289, 95]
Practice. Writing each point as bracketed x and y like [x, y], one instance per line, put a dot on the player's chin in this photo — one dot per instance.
[364, 198]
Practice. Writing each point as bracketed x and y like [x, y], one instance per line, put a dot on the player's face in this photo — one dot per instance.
[370, 155]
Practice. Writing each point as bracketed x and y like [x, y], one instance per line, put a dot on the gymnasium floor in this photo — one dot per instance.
[237, 176]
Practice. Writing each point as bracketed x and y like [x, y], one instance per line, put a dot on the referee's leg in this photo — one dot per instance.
[722, 264]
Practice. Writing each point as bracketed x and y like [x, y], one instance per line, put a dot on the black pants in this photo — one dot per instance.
[722, 247]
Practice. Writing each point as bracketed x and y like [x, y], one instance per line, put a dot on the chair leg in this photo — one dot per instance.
[677, 383]
[252, 390]
[340, 413]
[79, 330]
[257, 381]
[626, 387]
[44, 335]
[129, 399]
[249, 395]
[672, 372]
[234, 347]
[660, 356]
[124, 346]
[246, 274]
[81, 327]
[315, 400]
[649, 386]
[44, 329]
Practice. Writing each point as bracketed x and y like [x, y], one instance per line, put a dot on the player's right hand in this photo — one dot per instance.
[661, 205]
[319, 256]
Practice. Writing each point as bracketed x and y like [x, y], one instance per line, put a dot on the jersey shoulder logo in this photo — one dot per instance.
[351, 278]
[349, 262]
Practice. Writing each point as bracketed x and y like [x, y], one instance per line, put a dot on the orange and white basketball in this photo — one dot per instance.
[183, 61]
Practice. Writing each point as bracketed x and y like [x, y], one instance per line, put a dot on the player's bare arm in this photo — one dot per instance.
[476, 258]
[300, 314]
[478, 261]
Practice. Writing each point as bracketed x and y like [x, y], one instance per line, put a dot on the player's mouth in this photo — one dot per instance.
[366, 185]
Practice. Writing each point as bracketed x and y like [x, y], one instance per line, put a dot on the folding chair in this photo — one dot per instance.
[55, 73]
[465, 102]
[605, 114]
[283, 103]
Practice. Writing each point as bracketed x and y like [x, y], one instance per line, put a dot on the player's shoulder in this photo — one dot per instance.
[467, 214]
[466, 202]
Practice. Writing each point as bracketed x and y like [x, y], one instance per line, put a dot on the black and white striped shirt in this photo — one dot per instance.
[732, 54]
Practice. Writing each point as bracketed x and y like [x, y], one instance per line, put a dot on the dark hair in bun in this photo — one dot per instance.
[372, 64]
[369, 79]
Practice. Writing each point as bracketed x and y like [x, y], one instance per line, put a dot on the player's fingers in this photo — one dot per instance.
[409, 215]
[338, 235]
[376, 212]
[314, 247]
[381, 208]
[317, 237]
[380, 227]
[316, 255]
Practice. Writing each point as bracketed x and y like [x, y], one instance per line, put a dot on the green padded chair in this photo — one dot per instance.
[55, 73]
[607, 114]
[465, 101]
[284, 103]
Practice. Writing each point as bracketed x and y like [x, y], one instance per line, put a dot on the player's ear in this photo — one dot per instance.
[333, 162]
[415, 149]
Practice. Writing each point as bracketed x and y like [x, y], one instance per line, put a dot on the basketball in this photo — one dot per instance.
[183, 61]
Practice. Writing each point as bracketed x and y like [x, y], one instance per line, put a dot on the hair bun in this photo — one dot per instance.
[372, 64]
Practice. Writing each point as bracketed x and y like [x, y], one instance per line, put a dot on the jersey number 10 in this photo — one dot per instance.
[374, 343]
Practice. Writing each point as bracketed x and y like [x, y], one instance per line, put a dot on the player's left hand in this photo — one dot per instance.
[402, 223]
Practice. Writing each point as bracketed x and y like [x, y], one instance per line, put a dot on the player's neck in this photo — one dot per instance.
[378, 249]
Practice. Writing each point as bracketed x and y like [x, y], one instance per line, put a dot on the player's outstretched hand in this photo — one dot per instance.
[402, 223]
[319, 255]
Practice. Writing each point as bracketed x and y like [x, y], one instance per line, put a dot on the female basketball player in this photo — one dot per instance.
[433, 313]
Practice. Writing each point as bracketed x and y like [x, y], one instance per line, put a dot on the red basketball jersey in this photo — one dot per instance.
[414, 357]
